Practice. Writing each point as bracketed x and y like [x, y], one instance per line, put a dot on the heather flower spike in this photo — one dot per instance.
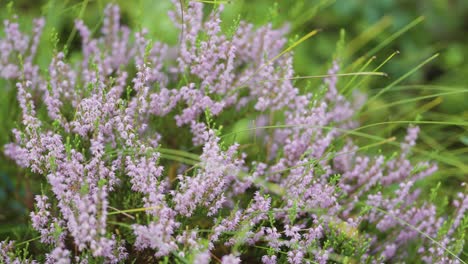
[124, 183]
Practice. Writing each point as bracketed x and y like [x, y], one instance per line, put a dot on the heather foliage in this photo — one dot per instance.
[136, 164]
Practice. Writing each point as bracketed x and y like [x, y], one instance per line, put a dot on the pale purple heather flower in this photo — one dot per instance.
[230, 259]
[60, 88]
[7, 254]
[342, 110]
[313, 234]
[52, 93]
[47, 152]
[45, 224]
[218, 170]
[199, 133]
[202, 258]
[59, 256]
[295, 256]
[15, 43]
[41, 217]
[269, 259]
[256, 212]
[6, 247]
[88, 114]
[109, 144]
[158, 235]
[197, 103]
[112, 50]
[37, 32]
[259, 208]
[389, 251]
[322, 257]
[306, 192]
[410, 139]
[227, 224]
[190, 239]
[462, 207]
[272, 237]
[213, 61]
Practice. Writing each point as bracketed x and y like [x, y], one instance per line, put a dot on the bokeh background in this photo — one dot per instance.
[352, 31]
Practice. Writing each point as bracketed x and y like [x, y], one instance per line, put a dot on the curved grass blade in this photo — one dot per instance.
[403, 222]
[397, 81]
[394, 36]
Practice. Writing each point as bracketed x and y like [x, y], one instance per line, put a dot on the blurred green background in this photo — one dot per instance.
[352, 31]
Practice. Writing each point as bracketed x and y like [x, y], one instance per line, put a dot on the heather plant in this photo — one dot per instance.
[130, 145]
